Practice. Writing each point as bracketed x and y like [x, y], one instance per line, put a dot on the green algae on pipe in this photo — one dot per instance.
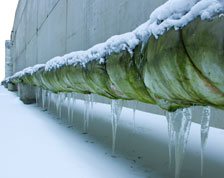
[97, 76]
[123, 72]
[172, 77]
[204, 43]
[164, 71]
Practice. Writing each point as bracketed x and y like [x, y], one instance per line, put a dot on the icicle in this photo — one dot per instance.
[44, 94]
[116, 108]
[205, 120]
[58, 102]
[49, 100]
[53, 101]
[86, 114]
[169, 116]
[135, 103]
[63, 97]
[73, 105]
[69, 99]
[37, 94]
[61, 101]
[180, 126]
[91, 105]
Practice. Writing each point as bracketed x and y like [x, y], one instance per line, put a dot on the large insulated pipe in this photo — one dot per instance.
[179, 69]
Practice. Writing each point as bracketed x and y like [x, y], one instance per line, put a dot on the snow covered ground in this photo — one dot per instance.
[35, 145]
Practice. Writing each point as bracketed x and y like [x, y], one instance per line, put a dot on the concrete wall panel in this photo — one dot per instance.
[92, 22]
[19, 12]
[31, 20]
[18, 64]
[31, 52]
[20, 37]
[45, 7]
[76, 25]
[52, 35]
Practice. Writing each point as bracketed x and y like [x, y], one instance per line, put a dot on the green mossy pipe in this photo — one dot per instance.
[16, 80]
[124, 74]
[52, 82]
[27, 79]
[204, 43]
[73, 76]
[97, 77]
[173, 78]
[164, 71]
[37, 79]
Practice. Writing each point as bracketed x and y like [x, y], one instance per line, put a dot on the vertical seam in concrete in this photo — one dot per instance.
[48, 14]
[25, 11]
[37, 34]
[86, 24]
[66, 26]
[16, 59]
[21, 14]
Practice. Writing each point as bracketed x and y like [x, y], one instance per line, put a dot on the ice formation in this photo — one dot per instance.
[135, 103]
[62, 96]
[58, 101]
[205, 120]
[49, 97]
[169, 116]
[44, 98]
[116, 108]
[69, 106]
[86, 113]
[37, 95]
[179, 124]
[91, 106]
[73, 104]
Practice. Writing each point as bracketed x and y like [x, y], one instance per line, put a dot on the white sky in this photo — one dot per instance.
[7, 13]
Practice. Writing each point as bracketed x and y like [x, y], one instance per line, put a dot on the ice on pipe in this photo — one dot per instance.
[49, 97]
[169, 116]
[205, 120]
[44, 98]
[91, 105]
[60, 102]
[179, 124]
[135, 103]
[69, 106]
[116, 108]
[86, 113]
[73, 106]
[37, 95]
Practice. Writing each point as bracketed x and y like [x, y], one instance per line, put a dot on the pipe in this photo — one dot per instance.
[181, 68]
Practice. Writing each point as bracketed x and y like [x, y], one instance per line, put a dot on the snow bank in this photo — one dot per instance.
[172, 14]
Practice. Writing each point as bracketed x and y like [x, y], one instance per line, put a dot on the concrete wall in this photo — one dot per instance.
[44, 29]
